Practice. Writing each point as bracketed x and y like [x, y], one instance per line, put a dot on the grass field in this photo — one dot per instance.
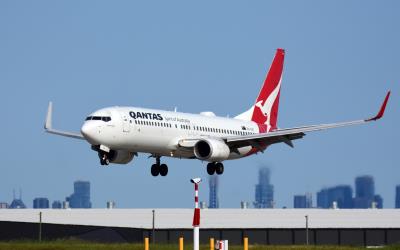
[81, 245]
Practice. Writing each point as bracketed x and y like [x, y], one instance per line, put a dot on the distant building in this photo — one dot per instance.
[81, 196]
[365, 191]
[397, 196]
[378, 201]
[213, 186]
[41, 203]
[56, 205]
[110, 204]
[299, 201]
[17, 203]
[264, 195]
[244, 204]
[342, 196]
[3, 205]
[302, 201]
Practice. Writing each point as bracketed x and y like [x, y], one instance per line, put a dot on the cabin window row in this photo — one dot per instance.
[149, 123]
[216, 130]
[198, 128]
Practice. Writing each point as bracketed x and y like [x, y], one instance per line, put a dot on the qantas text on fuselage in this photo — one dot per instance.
[118, 134]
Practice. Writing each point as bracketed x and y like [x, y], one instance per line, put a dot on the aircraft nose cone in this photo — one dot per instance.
[88, 131]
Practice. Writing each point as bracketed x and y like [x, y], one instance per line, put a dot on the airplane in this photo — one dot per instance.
[118, 134]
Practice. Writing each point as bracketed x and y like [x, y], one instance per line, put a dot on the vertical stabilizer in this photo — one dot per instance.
[265, 109]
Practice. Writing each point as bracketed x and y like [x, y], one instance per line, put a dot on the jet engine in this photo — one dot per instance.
[212, 150]
[120, 156]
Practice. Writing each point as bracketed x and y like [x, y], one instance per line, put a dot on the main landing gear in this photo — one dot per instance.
[159, 169]
[215, 167]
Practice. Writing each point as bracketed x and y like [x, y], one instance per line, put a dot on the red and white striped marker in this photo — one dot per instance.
[196, 216]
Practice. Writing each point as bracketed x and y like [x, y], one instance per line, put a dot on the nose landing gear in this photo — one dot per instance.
[159, 169]
[215, 167]
[104, 158]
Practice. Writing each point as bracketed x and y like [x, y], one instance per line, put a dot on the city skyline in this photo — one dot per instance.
[340, 60]
[342, 194]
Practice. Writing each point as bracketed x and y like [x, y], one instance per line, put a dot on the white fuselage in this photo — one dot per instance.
[159, 132]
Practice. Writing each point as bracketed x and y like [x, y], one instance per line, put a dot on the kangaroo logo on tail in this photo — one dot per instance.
[265, 109]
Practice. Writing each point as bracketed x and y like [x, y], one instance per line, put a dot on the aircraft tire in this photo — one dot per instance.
[219, 168]
[210, 168]
[155, 170]
[163, 169]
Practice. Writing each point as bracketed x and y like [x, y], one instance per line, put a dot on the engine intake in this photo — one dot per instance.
[211, 150]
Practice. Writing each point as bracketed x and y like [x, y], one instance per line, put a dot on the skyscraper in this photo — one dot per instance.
[397, 196]
[81, 196]
[365, 191]
[41, 203]
[302, 201]
[213, 186]
[341, 194]
[264, 195]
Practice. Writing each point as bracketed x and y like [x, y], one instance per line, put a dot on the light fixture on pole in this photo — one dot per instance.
[196, 216]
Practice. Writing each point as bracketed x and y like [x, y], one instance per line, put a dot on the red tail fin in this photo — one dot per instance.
[266, 106]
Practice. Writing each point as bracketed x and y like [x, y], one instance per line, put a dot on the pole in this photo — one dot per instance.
[212, 244]
[196, 216]
[306, 229]
[153, 234]
[40, 226]
[180, 243]
[146, 243]
[246, 243]
[196, 219]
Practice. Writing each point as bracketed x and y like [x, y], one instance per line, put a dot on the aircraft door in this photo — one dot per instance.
[126, 123]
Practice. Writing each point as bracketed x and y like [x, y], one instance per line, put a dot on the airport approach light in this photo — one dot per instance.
[196, 216]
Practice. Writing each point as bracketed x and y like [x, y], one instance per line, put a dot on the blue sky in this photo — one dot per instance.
[341, 58]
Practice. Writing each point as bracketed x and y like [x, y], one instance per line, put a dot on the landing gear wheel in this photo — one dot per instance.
[219, 168]
[163, 169]
[155, 170]
[210, 168]
[104, 159]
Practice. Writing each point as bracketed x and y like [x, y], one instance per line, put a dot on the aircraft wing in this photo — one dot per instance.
[287, 135]
[49, 129]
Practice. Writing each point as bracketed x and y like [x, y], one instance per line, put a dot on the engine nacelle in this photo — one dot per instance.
[211, 150]
[120, 156]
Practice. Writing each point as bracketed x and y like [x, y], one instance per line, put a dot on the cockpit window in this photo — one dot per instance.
[99, 118]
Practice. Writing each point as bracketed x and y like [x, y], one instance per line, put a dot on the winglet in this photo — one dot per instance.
[382, 110]
[48, 125]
